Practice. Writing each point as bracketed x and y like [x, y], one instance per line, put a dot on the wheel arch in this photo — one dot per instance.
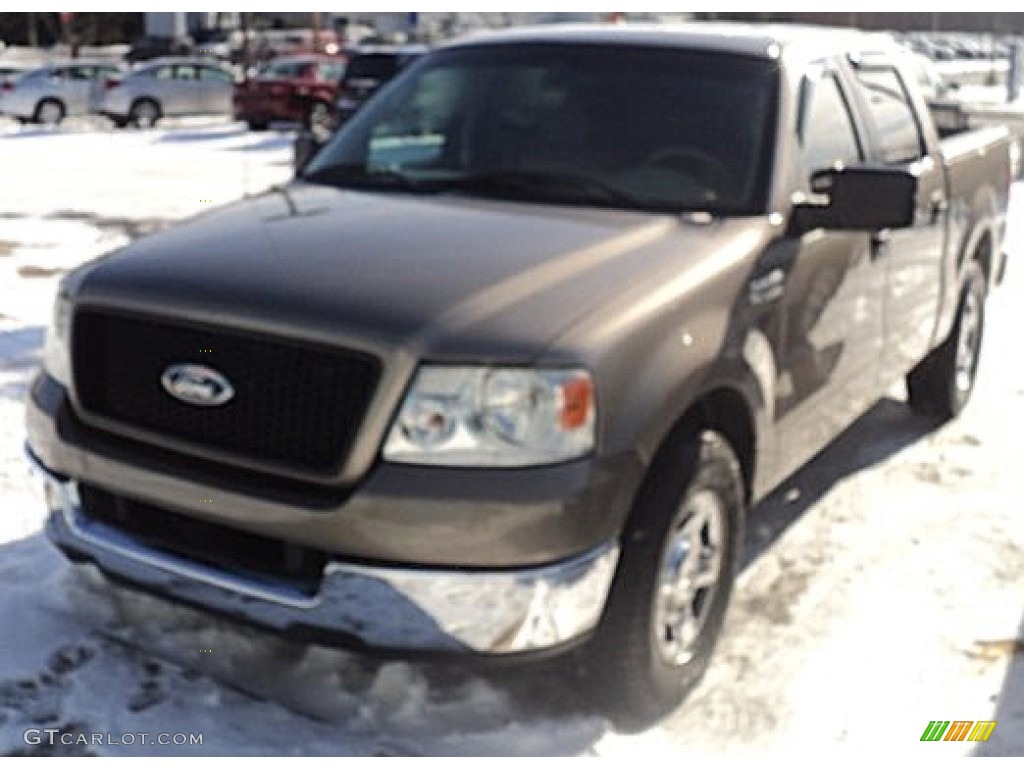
[136, 100]
[52, 98]
[735, 404]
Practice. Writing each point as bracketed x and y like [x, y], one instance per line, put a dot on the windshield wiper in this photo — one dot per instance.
[551, 185]
[358, 176]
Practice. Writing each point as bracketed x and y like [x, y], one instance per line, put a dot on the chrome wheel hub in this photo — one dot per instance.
[689, 575]
[968, 343]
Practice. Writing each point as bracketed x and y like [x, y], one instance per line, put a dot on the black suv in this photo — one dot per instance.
[367, 71]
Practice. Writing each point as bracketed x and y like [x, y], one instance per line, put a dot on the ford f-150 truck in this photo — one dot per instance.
[501, 372]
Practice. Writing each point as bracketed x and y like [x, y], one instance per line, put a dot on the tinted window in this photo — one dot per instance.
[216, 75]
[79, 73]
[283, 70]
[185, 72]
[374, 66]
[650, 128]
[892, 114]
[162, 73]
[827, 134]
[330, 72]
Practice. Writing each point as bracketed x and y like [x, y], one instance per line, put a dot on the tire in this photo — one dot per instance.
[941, 384]
[144, 113]
[120, 122]
[49, 112]
[636, 667]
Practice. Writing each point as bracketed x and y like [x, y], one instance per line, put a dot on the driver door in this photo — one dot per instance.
[831, 335]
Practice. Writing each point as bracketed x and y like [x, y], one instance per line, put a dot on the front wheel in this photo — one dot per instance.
[942, 383]
[672, 586]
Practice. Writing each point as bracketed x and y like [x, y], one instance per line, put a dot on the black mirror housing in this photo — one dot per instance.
[868, 198]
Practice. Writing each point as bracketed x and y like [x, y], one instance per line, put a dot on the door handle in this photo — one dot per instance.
[880, 241]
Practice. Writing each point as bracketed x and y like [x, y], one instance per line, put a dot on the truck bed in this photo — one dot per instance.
[979, 175]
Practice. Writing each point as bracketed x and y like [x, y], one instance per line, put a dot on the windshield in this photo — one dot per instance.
[635, 127]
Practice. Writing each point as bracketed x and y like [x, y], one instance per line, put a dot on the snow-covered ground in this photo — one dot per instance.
[883, 588]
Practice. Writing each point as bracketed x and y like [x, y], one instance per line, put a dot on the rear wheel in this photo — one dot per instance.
[144, 113]
[942, 383]
[672, 586]
[49, 112]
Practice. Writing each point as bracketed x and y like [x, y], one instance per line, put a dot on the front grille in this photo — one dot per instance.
[295, 405]
[218, 546]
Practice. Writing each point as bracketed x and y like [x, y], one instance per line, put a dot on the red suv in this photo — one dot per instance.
[295, 88]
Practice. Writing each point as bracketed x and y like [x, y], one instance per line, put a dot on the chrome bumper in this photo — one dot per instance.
[401, 609]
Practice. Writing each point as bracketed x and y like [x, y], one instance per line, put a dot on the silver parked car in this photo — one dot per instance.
[169, 87]
[51, 93]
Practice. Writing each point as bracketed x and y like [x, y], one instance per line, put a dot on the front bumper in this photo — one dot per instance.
[491, 612]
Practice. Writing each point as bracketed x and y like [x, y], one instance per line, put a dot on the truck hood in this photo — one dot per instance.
[438, 276]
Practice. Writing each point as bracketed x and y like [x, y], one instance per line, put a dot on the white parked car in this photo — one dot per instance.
[169, 87]
[49, 94]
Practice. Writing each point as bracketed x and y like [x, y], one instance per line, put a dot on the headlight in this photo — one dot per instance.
[493, 417]
[56, 356]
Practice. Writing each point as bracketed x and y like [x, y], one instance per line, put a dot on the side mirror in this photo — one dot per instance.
[866, 198]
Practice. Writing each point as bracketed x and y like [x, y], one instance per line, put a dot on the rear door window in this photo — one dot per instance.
[185, 72]
[211, 74]
[80, 73]
[892, 114]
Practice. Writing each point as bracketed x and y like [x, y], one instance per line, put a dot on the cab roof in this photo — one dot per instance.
[767, 41]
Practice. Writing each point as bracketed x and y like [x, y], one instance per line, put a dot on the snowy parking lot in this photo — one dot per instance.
[883, 586]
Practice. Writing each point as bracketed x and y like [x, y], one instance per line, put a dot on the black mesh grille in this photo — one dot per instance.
[294, 405]
[228, 549]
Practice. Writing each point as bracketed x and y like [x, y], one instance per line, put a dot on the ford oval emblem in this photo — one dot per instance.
[197, 385]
